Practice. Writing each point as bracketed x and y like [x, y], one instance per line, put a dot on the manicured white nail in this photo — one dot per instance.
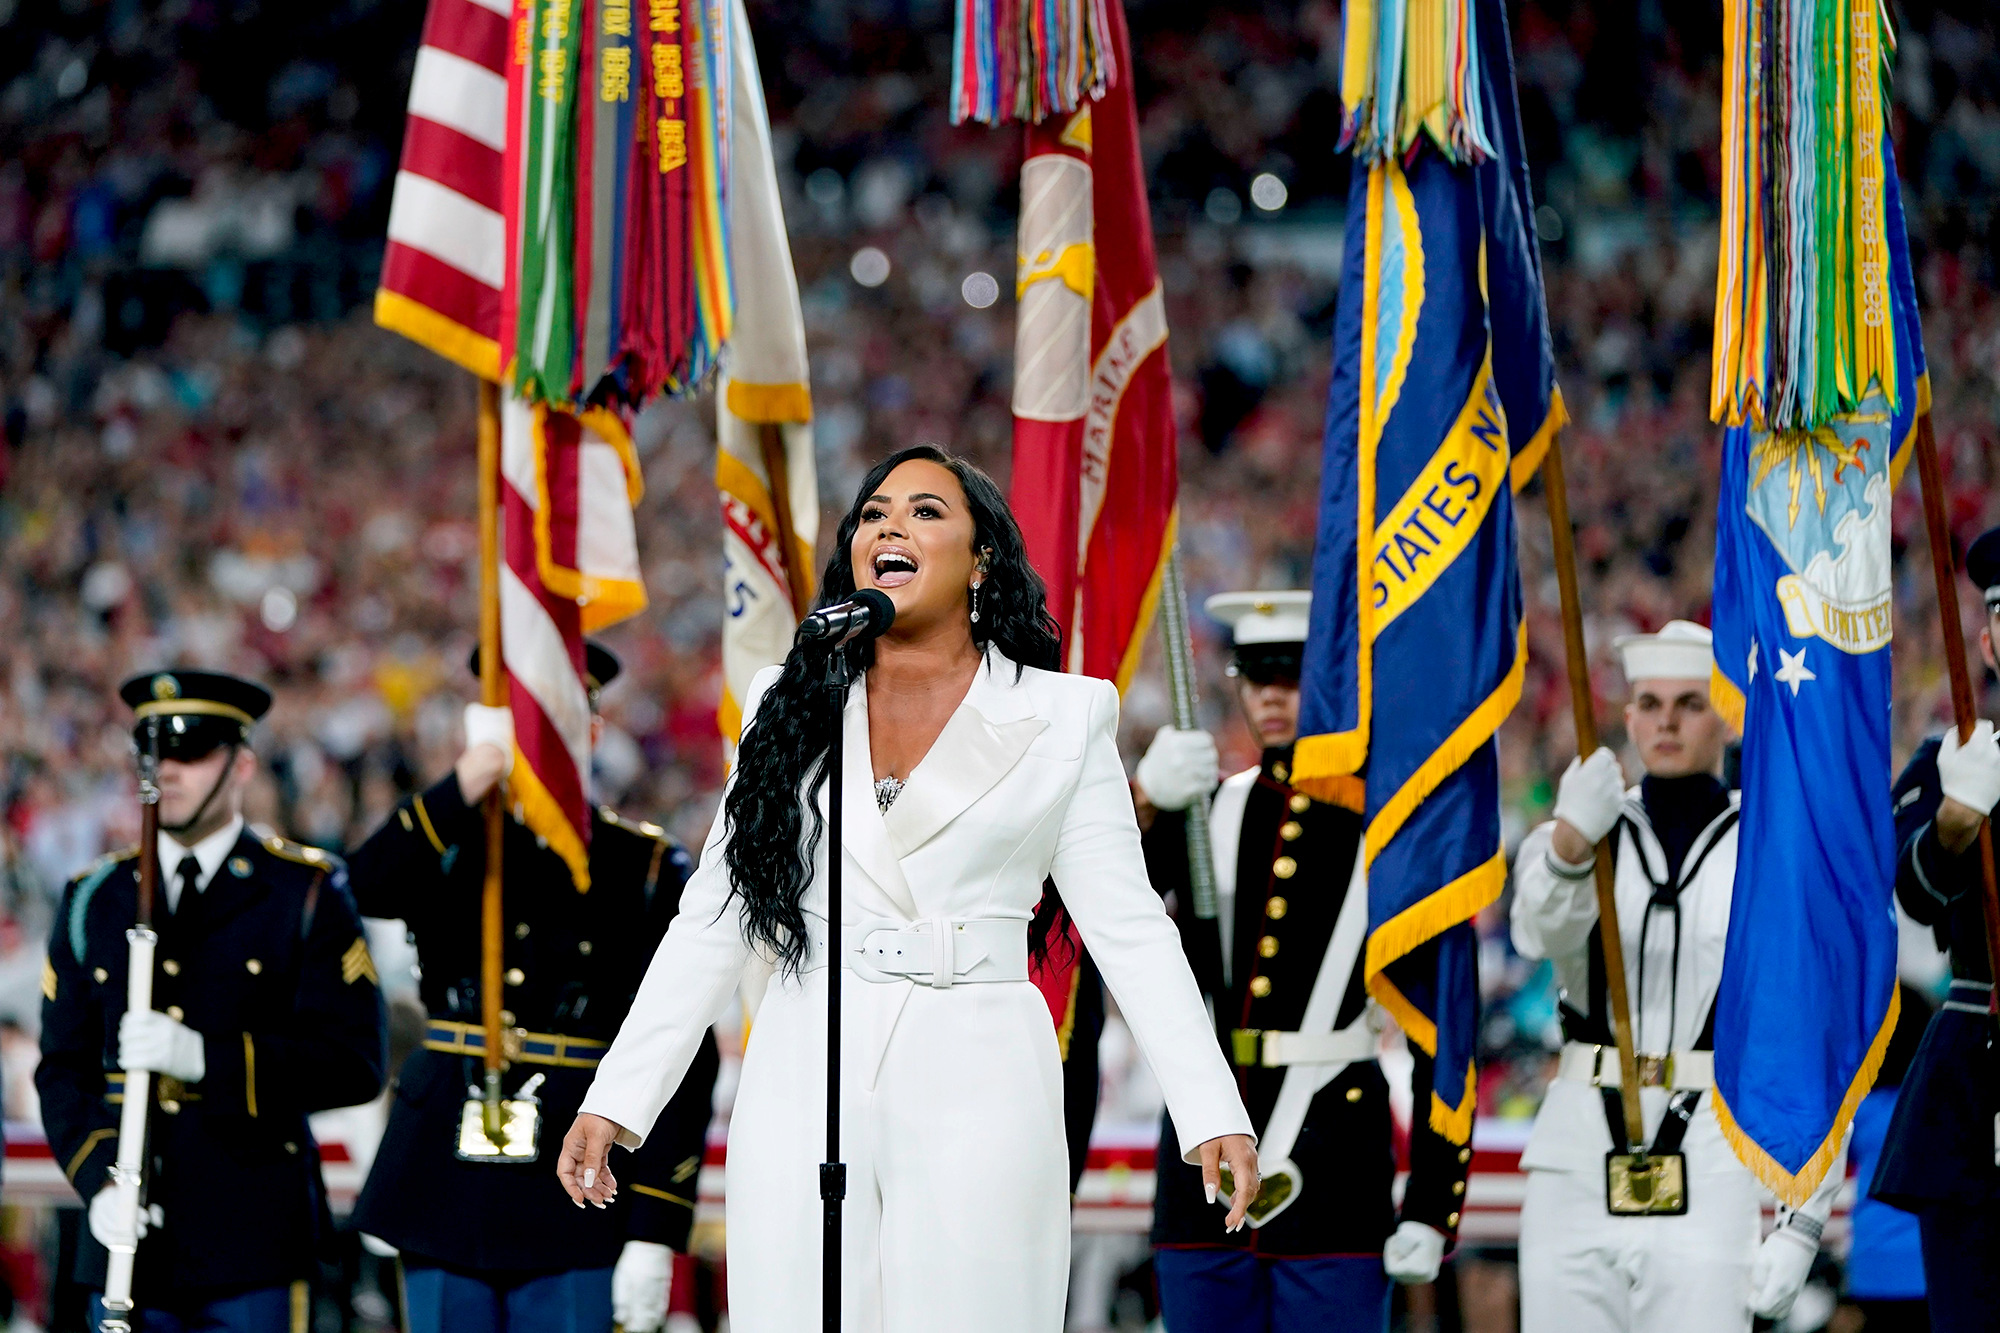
[589, 1176]
[1211, 1192]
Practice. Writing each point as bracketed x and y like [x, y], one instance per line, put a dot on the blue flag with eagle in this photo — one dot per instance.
[1803, 611]
[1443, 403]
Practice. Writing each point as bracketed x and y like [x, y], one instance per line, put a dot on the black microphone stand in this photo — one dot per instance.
[833, 1171]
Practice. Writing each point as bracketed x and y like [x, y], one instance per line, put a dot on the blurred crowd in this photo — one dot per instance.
[212, 457]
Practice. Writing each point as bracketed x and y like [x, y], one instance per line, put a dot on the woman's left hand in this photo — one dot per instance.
[1240, 1155]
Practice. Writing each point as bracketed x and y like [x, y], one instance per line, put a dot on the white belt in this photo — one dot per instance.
[1269, 1049]
[1598, 1066]
[939, 951]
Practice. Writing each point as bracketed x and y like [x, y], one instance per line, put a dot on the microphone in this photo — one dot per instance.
[864, 617]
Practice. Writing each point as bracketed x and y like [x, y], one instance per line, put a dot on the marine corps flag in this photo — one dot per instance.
[1095, 473]
[1803, 615]
[1442, 403]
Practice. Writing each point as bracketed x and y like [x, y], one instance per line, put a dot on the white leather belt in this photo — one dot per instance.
[1598, 1066]
[939, 951]
[1270, 1049]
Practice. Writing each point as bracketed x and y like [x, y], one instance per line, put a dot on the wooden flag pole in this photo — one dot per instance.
[778, 478]
[492, 693]
[1964, 708]
[1557, 492]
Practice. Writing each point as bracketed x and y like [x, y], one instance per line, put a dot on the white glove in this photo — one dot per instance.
[1970, 773]
[1779, 1274]
[641, 1284]
[1413, 1254]
[149, 1040]
[494, 727]
[1178, 768]
[113, 1227]
[1591, 795]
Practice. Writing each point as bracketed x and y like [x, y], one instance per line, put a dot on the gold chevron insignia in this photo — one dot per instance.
[356, 964]
[48, 979]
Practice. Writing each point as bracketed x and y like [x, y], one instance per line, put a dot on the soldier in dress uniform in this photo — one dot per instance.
[1941, 1157]
[266, 1008]
[1673, 843]
[489, 1246]
[1284, 869]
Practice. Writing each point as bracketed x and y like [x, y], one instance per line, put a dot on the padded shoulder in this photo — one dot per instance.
[284, 849]
[638, 827]
[83, 888]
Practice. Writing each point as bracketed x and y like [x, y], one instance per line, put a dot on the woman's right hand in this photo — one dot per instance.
[585, 1165]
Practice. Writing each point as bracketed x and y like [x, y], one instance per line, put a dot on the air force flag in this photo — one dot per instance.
[1803, 610]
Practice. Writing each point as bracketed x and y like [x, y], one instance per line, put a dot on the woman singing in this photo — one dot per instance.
[973, 772]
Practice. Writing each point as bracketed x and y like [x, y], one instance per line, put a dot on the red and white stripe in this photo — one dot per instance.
[446, 260]
[570, 563]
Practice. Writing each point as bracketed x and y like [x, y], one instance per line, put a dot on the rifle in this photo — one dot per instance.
[128, 1173]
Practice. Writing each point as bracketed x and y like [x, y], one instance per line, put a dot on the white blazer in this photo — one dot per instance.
[958, 1201]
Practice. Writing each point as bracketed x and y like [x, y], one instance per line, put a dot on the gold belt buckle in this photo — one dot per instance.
[1247, 1044]
[1656, 1188]
[1655, 1071]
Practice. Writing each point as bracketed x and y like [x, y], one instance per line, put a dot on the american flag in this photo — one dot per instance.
[570, 561]
[447, 254]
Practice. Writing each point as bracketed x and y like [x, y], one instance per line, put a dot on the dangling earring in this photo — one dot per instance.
[975, 601]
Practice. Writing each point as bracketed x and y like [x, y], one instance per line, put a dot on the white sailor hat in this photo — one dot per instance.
[1267, 629]
[1682, 650]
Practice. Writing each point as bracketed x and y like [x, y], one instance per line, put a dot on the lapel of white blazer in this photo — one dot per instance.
[862, 830]
[980, 745]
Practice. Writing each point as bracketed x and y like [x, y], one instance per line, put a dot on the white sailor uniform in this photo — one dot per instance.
[1583, 1270]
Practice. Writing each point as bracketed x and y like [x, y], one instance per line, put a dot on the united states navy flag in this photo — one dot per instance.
[1443, 402]
[1803, 610]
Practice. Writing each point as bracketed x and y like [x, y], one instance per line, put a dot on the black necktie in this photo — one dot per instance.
[190, 876]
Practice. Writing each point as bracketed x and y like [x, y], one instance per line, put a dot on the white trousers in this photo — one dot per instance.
[1585, 1271]
[957, 1210]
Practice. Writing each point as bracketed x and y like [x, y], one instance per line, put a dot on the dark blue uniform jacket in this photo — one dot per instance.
[573, 962]
[269, 965]
[1940, 1144]
[1295, 859]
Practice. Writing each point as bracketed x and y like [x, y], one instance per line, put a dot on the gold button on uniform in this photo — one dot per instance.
[100, 974]
[1268, 946]
[521, 931]
[1464, 1156]
[252, 966]
[1458, 1187]
[1281, 772]
[515, 976]
[1354, 1094]
[1260, 986]
[1291, 830]
[1452, 1220]
[170, 967]
[1276, 909]
[507, 1017]
[1301, 803]
[174, 1012]
[583, 947]
[1284, 867]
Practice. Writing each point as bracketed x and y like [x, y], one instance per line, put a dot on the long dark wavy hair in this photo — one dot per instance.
[771, 846]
